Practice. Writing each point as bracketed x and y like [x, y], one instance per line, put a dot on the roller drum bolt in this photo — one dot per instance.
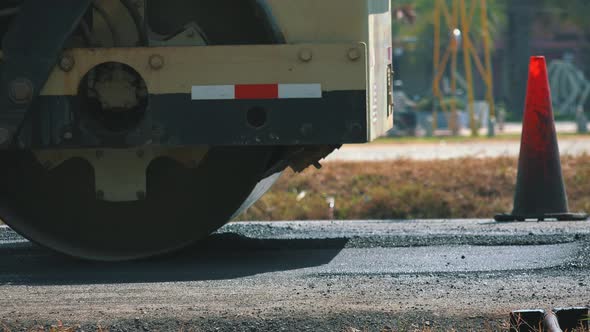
[21, 91]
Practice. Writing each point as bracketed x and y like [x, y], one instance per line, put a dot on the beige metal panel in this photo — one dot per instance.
[380, 117]
[305, 21]
[329, 21]
[335, 66]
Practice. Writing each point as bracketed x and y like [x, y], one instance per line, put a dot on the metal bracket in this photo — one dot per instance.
[30, 50]
[120, 174]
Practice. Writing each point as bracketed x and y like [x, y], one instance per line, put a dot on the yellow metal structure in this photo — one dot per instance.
[334, 66]
[119, 174]
[458, 19]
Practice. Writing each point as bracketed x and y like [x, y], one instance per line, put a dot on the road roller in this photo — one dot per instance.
[133, 128]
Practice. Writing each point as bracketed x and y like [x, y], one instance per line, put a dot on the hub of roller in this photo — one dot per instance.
[114, 99]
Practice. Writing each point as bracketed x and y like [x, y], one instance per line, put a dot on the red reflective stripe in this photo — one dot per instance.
[257, 91]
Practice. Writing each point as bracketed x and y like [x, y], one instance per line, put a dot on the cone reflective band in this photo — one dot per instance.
[540, 191]
[256, 91]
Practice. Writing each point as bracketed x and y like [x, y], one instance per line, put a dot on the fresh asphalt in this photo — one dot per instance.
[295, 276]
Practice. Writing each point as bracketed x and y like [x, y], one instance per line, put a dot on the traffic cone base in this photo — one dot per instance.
[540, 191]
[550, 216]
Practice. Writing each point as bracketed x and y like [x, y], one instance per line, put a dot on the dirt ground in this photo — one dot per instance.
[315, 276]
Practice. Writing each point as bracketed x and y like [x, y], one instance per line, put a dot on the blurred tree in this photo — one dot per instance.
[520, 16]
[577, 11]
[415, 67]
[574, 10]
[510, 20]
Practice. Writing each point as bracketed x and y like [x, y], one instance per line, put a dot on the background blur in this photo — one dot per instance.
[517, 29]
[461, 69]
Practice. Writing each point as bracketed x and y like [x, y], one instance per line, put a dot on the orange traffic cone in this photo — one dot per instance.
[540, 191]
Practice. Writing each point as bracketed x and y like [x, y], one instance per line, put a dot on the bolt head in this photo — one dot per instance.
[67, 63]
[21, 91]
[156, 62]
[305, 55]
[354, 54]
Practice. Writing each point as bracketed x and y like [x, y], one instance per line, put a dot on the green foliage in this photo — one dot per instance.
[425, 10]
[574, 11]
[426, 104]
[416, 69]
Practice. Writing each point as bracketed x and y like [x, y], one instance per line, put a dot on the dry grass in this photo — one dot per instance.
[406, 189]
[59, 327]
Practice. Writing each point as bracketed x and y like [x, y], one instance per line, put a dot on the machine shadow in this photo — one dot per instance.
[222, 256]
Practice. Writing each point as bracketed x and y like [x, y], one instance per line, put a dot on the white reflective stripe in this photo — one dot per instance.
[289, 91]
[213, 92]
[228, 92]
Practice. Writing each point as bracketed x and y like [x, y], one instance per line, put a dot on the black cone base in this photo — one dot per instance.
[543, 217]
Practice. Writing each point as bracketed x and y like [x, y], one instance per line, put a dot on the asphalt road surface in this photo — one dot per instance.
[448, 150]
[308, 276]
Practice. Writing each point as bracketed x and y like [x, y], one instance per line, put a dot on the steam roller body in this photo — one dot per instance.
[131, 128]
